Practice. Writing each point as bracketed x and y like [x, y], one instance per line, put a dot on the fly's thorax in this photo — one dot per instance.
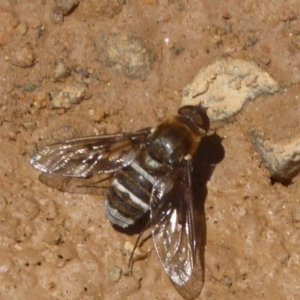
[171, 141]
[153, 166]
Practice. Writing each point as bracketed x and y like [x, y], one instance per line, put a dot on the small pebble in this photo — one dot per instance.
[296, 214]
[266, 60]
[52, 237]
[115, 274]
[29, 87]
[110, 8]
[56, 16]
[129, 54]
[73, 94]
[61, 72]
[177, 48]
[29, 124]
[25, 208]
[66, 6]
[226, 15]
[23, 57]
[50, 210]
[227, 280]
[138, 252]
[3, 202]
[22, 28]
[296, 75]
[97, 114]
[66, 251]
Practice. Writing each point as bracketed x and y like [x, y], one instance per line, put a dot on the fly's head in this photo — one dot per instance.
[196, 117]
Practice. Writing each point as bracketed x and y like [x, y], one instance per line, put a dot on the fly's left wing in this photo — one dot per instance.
[174, 234]
[85, 157]
[95, 185]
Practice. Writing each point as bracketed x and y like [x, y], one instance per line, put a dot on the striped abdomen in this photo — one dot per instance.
[129, 196]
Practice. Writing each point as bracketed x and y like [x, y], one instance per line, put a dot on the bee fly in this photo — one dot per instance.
[151, 173]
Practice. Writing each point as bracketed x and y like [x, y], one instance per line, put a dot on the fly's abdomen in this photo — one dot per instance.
[128, 198]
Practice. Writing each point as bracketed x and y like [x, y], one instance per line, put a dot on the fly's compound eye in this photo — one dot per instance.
[186, 110]
[197, 114]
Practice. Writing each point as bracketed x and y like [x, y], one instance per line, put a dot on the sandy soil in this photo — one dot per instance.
[65, 72]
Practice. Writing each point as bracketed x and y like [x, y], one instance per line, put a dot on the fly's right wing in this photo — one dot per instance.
[176, 239]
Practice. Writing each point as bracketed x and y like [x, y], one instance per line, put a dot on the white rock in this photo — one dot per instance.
[282, 160]
[224, 86]
[72, 94]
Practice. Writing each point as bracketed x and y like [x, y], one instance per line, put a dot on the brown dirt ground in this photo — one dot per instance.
[57, 245]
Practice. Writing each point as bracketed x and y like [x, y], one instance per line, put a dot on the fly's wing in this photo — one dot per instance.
[95, 185]
[173, 229]
[85, 157]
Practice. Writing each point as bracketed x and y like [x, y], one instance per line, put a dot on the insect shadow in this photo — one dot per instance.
[209, 153]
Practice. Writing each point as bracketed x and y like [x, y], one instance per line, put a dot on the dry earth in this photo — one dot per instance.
[75, 68]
